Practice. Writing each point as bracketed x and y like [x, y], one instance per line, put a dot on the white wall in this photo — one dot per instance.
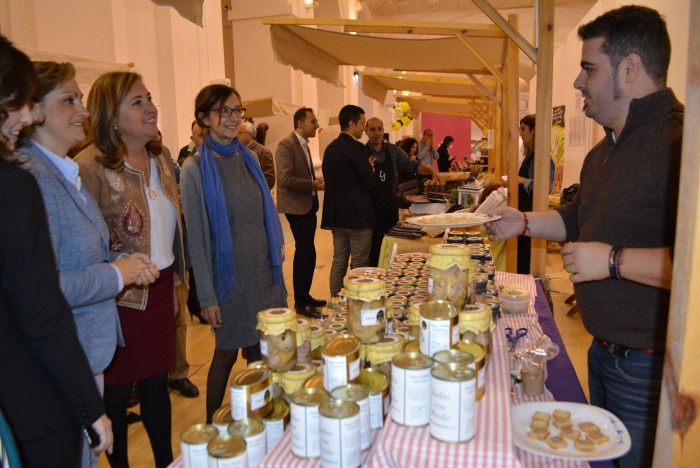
[567, 66]
[176, 57]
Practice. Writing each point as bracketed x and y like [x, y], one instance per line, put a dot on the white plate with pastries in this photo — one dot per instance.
[458, 219]
[593, 433]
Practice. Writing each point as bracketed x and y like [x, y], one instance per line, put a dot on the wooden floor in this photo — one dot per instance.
[200, 344]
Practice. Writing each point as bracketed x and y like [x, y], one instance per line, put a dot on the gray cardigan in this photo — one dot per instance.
[80, 242]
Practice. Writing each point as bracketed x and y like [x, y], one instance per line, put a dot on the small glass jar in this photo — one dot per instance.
[303, 340]
[379, 355]
[450, 269]
[475, 324]
[413, 321]
[278, 338]
[292, 380]
[514, 299]
[316, 340]
[367, 312]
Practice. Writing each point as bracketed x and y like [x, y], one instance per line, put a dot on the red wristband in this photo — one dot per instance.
[526, 230]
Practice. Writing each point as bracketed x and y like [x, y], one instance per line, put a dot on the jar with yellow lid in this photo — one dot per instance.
[293, 379]
[316, 339]
[450, 274]
[303, 340]
[413, 321]
[475, 324]
[278, 338]
[366, 298]
[379, 355]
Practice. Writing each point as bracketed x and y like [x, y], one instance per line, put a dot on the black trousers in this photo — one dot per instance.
[60, 449]
[304, 231]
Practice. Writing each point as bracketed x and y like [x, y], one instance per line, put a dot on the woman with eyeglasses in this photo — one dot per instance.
[234, 236]
[130, 174]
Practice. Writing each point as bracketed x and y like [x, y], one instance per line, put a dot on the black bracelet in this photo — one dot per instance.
[613, 263]
[618, 261]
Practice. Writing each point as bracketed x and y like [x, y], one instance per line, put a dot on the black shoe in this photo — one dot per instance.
[317, 302]
[310, 312]
[132, 418]
[185, 387]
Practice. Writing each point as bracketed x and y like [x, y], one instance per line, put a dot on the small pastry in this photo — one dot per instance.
[537, 423]
[562, 414]
[557, 442]
[560, 423]
[570, 433]
[538, 433]
[588, 427]
[541, 416]
[597, 437]
[584, 445]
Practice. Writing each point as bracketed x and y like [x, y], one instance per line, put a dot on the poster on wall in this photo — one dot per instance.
[557, 151]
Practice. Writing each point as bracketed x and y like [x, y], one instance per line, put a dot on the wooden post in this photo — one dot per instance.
[512, 134]
[678, 430]
[543, 128]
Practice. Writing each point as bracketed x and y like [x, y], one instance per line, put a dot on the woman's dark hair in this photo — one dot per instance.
[446, 142]
[17, 80]
[211, 97]
[407, 144]
[50, 75]
[528, 120]
[104, 99]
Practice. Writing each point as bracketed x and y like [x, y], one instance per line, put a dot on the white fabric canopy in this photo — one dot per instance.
[376, 85]
[265, 107]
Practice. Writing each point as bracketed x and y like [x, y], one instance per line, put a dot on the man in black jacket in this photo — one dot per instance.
[347, 206]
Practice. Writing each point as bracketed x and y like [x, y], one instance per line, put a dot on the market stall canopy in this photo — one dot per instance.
[449, 106]
[191, 10]
[265, 107]
[376, 85]
[88, 70]
[320, 53]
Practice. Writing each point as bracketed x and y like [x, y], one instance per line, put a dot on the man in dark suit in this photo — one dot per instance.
[297, 198]
[347, 206]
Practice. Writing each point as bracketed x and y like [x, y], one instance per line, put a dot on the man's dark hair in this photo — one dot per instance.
[300, 114]
[633, 29]
[349, 113]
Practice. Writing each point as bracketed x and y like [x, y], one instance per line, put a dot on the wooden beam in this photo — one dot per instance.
[485, 91]
[543, 128]
[510, 158]
[489, 66]
[397, 27]
[678, 427]
[512, 34]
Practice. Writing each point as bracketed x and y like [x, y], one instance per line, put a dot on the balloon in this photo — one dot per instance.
[406, 119]
[396, 125]
[404, 107]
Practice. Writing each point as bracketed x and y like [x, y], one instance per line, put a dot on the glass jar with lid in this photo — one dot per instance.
[450, 274]
[367, 314]
[278, 338]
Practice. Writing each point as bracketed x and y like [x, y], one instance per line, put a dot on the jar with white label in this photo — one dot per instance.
[450, 274]
[366, 309]
[278, 338]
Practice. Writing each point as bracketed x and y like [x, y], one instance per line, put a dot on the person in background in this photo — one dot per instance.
[297, 198]
[525, 186]
[235, 236]
[347, 205]
[90, 276]
[261, 132]
[426, 155]
[246, 134]
[130, 174]
[444, 159]
[621, 262]
[48, 391]
[189, 149]
[389, 159]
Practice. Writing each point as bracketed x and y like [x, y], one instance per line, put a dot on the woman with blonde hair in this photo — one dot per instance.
[131, 176]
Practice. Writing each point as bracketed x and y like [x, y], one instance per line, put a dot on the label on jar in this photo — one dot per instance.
[353, 370]
[239, 408]
[371, 317]
[264, 350]
[452, 409]
[260, 399]
[376, 410]
[305, 431]
[256, 446]
[274, 430]
[194, 454]
[335, 372]
[340, 441]
[455, 335]
[436, 335]
[410, 396]
[239, 461]
[430, 285]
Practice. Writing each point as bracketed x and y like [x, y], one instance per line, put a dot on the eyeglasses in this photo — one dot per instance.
[227, 111]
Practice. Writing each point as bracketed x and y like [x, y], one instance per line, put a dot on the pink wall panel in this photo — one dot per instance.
[458, 128]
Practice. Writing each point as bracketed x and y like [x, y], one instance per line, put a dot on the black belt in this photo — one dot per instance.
[621, 351]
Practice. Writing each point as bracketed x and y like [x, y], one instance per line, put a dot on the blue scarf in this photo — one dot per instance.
[218, 216]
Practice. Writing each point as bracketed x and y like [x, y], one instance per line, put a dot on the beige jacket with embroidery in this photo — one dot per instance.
[121, 196]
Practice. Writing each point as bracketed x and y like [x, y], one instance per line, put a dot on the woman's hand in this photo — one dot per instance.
[103, 427]
[213, 315]
[137, 269]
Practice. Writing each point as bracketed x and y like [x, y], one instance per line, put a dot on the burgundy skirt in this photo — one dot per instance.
[149, 336]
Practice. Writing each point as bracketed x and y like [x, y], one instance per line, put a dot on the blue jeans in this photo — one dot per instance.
[628, 386]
